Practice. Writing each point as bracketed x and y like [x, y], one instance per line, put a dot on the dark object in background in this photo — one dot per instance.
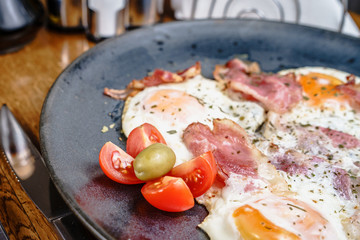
[354, 6]
[143, 13]
[20, 20]
[106, 19]
[65, 15]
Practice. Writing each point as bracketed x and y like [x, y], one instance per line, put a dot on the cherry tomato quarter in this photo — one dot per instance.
[117, 164]
[198, 173]
[142, 137]
[169, 194]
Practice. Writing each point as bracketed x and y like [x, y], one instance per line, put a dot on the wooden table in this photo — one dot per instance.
[25, 78]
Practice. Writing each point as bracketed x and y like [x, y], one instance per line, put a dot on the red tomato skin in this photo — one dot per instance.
[125, 176]
[198, 173]
[169, 194]
[141, 137]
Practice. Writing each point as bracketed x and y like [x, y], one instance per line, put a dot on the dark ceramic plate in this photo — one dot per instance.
[76, 109]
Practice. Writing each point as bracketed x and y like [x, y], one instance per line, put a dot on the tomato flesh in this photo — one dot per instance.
[169, 194]
[117, 164]
[198, 173]
[142, 137]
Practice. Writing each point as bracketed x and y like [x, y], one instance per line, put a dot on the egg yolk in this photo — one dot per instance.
[298, 220]
[174, 105]
[252, 225]
[321, 87]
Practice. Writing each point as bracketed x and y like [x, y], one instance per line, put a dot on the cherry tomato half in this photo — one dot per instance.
[117, 164]
[142, 137]
[198, 173]
[169, 194]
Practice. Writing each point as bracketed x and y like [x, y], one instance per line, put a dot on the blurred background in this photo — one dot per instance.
[101, 19]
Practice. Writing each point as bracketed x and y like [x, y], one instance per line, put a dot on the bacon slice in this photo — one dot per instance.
[158, 77]
[275, 92]
[233, 66]
[190, 72]
[341, 139]
[120, 94]
[232, 151]
[352, 90]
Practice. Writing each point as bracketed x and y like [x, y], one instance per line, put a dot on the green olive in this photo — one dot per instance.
[154, 162]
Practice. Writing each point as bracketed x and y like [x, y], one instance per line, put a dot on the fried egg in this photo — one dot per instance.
[236, 213]
[322, 104]
[172, 107]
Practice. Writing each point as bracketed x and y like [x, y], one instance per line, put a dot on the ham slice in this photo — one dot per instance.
[295, 163]
[341, 139]
[275, 92]
[232, 151]
[291, 162]
[229, 144]
[158, 77]
[342, 182]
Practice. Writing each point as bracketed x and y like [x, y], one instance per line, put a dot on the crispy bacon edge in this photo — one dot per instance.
[157, 77]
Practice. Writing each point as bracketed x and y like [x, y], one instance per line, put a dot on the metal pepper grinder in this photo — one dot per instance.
[104, 18]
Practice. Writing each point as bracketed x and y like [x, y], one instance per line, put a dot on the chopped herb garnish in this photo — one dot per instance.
[292, 205]
[171, 131]
[222, 110]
